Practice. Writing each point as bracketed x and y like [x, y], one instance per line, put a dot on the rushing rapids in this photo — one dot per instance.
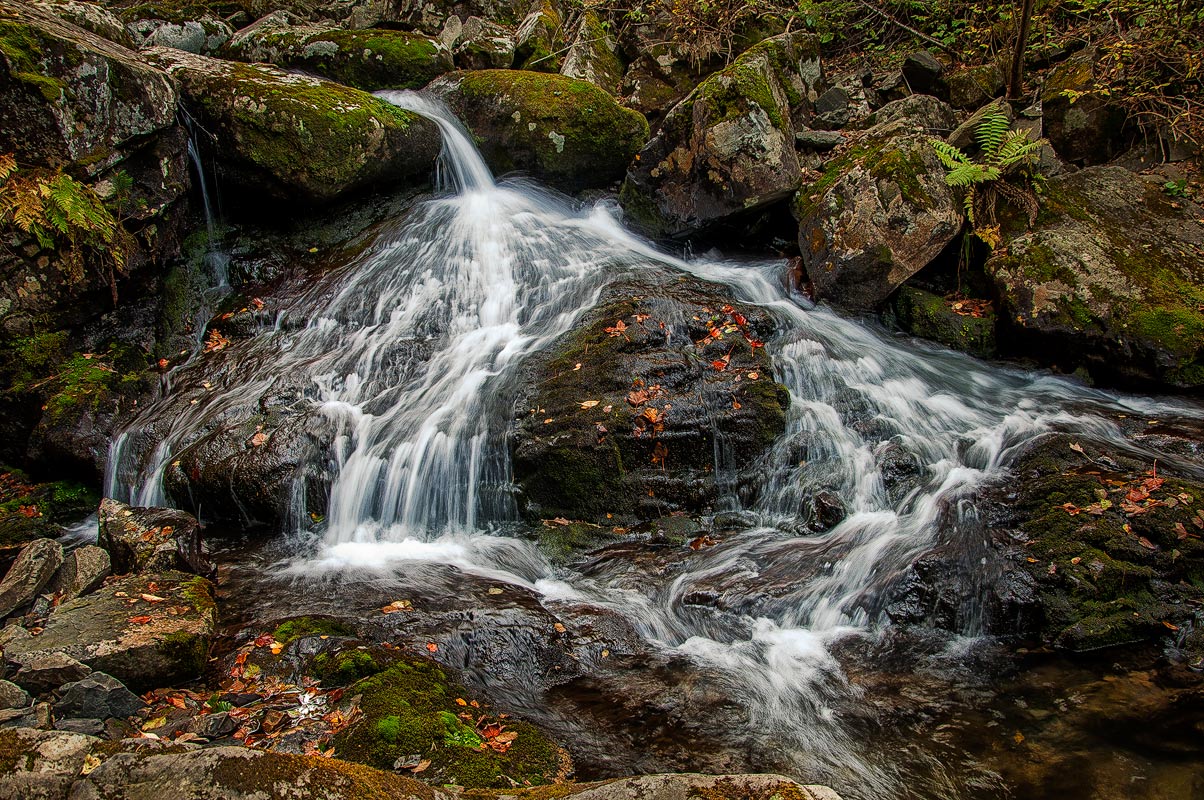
[413, 352]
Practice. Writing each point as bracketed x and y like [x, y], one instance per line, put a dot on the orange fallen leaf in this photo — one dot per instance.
[434, 648]
[140, 620]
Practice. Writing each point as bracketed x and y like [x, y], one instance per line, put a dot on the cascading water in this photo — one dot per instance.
[413, 353]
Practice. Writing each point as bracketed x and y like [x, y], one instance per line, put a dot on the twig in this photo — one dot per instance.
[922, 36]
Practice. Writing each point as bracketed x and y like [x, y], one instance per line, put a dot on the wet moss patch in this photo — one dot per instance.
[414, 711]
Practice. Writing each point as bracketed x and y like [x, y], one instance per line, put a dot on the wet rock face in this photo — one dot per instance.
[729, 146]
[145, 643]
[658, 401]
[98, 696]
[565, 132]
[39, 672]
[1109, 279]
[140, 539]
[881, 210]
[365, 59]
[1110, 544]
[297, 138]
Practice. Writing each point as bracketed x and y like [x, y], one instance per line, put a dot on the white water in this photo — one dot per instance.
[414, 351]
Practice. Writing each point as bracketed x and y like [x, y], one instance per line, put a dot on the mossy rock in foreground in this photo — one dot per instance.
[411, 714]
[1111, 567]
[566, 132]
[1111, 278]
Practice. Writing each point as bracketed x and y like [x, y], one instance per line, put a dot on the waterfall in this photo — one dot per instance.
[217, 261]
[413, 353]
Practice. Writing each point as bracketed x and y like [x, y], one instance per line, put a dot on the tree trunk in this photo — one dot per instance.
[1016, 79]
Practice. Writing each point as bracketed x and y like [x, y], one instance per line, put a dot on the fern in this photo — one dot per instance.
[1000, 170]
[62, 213]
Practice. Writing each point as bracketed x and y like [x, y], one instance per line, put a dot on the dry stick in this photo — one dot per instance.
[923, 36]
[1017, 77]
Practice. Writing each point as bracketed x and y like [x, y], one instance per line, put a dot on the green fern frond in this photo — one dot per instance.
[950, 156]
[1017, 149]
[990, 132]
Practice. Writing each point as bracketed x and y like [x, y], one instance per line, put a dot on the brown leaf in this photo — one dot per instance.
[151, 598]
[259, 439]
[637, 397]
[397, 605]
[431, 646]
[588, 404]
[1146, 543]
[420, 766]
[142, 619]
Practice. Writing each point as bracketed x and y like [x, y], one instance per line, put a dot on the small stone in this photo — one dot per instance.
[33, 569]
[98, 696]
[818, 140]
[42, 671]
[86, 725]
[923, 72]
[38, 717]
[13, 696]
[213, 726]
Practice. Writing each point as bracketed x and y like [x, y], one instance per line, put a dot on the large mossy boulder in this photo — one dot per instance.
[728, 147]
[148, 630]
[141, 539]
[411, 716]
[659, 400]
[1111, 278]
[880, 212]
[566, 132]
[365, 59]
[298, 138]
[1113, 543]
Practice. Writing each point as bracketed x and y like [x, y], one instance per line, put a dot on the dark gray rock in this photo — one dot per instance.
[728, 148]
[924, 73]
[13, 696]
[40, 672]
[827, 511]
[1084, 124]
[84, 570]
[90, 727]
[134, 537]
[818, 140]
[98, 696]
[213, 726]
[29, 574]
[669, 398]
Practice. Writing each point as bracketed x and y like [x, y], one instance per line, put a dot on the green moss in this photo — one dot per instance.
[562, 542]
[22, 47]
[188, 651]
[568, 131]
[410, 709]
[287, 128]
[903, 166]
[198, 592]
[344, 667]
[293, 629]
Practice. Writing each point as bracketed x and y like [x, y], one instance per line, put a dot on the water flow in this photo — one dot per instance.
[217, 261]
[414, 353]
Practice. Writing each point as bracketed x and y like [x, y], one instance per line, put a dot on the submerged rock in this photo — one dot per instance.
[1111, 278]
[145, 643]
[140, 539]
[297, 138]
[659, 399]
[566, 132]
[365, 59]
[880, 212]
[728, 147]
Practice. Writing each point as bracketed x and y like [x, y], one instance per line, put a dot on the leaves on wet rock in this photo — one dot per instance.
[216, 342]
[397, 605]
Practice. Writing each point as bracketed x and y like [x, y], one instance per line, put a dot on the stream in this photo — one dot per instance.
[413, 352]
